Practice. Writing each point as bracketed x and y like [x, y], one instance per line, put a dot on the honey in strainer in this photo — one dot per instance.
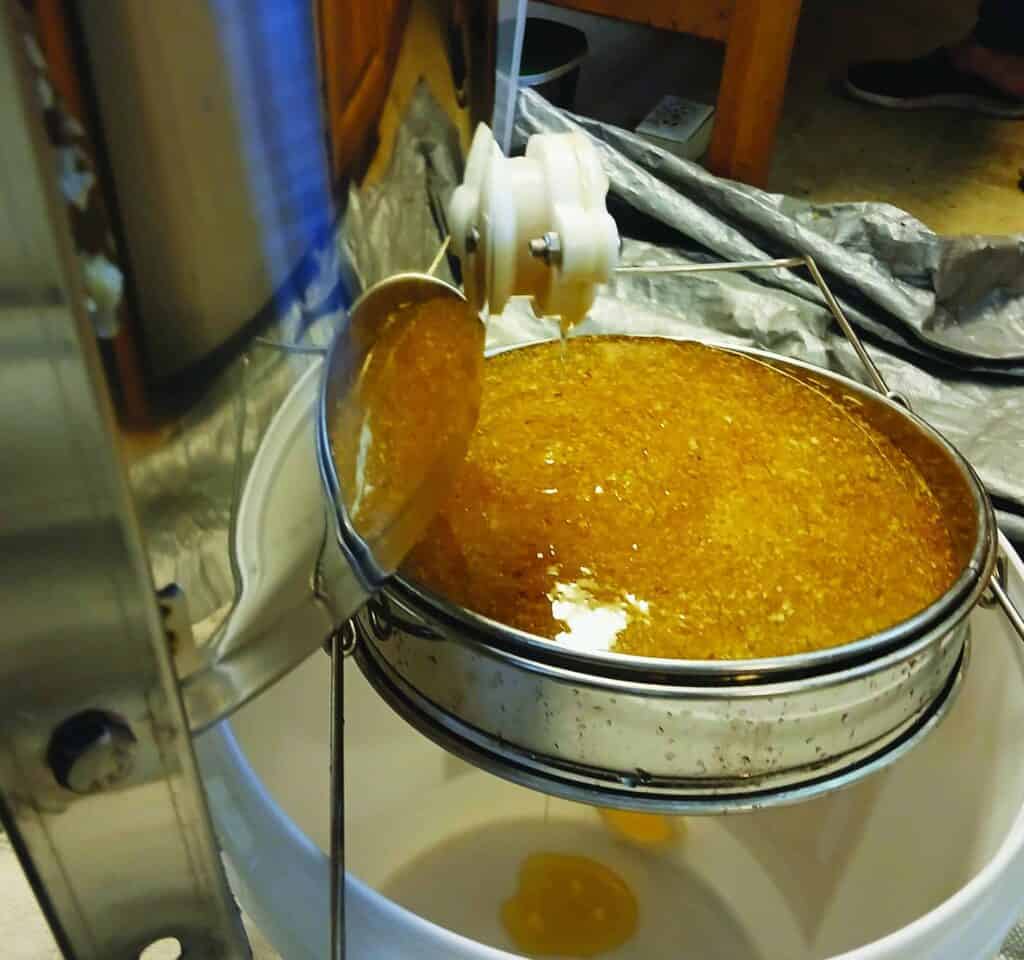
[670, 499]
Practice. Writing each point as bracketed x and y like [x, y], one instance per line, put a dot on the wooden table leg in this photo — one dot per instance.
[757, 56]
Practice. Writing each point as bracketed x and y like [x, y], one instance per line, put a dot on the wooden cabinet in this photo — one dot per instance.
[703, 18]
[359, 42]
[758, 37]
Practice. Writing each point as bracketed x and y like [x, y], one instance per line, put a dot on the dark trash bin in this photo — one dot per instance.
[552, 55]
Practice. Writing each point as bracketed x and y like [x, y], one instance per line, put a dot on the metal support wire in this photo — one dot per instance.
[436, 262]
[1010, 611]
[337, 900]
[808, 263]
[308, 349]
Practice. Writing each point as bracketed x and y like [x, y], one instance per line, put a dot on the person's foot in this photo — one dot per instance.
[968, 77]
[1003, 70]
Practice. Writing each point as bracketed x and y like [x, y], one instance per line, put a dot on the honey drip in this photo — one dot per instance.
[649, 830]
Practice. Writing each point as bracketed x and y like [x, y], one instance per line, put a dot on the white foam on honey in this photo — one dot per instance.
[591, 624]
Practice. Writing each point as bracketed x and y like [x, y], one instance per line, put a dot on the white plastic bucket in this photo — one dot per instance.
[924, 860]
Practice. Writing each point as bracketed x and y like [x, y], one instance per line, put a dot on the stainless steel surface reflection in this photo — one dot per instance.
[223, 166]
[219, 167]
[93, 736]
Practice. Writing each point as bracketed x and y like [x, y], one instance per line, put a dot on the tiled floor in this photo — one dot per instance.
[957, 172]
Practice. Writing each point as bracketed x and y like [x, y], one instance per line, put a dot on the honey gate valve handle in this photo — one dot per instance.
[535, 226]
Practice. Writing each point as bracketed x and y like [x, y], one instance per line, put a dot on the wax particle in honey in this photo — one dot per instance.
[643, 829]
[569, 906]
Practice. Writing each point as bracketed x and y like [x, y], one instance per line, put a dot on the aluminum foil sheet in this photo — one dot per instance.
[1013, 948]
[399, 222]
[188, 489]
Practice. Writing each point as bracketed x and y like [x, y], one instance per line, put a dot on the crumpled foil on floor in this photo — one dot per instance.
[399, 223]
[1013, 948]
[187, 490]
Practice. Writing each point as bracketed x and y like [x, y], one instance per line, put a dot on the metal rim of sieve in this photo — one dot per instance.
[605, 786]
[976, 580]
[960, 597]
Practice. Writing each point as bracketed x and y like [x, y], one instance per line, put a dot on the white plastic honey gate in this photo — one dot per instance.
[534, 226]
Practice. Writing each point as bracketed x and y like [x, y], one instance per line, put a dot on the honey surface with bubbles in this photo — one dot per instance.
[670, 499]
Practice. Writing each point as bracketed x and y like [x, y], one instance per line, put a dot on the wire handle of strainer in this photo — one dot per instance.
[877, 381]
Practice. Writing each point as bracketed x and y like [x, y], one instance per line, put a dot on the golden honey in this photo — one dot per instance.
[569, 906]
[642, 829]
[670, 499]
[400, 431]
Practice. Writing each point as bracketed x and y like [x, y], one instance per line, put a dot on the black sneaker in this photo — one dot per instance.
[927, 82]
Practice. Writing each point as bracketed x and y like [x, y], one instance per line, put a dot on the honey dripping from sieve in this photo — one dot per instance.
[650, 830]
[670, 499]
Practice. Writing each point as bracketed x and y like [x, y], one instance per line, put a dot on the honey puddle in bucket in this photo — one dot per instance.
[569, 905]
[670, 499]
